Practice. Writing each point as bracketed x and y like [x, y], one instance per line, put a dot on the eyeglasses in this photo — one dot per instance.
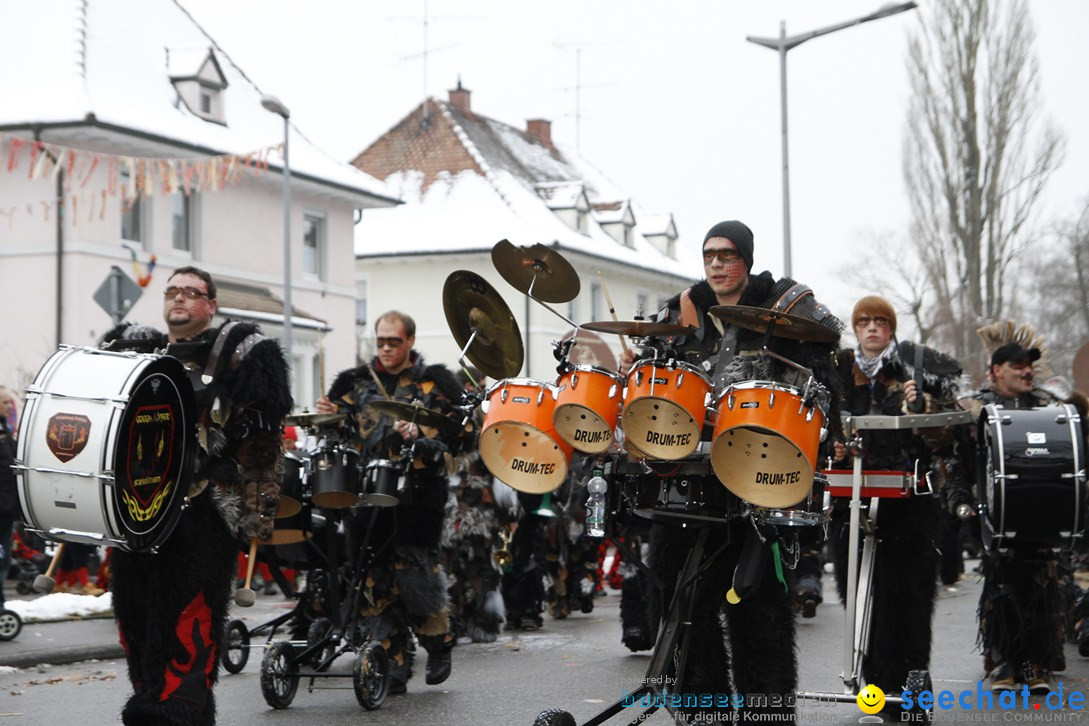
[723, 255]
[190, 292]
[878, 321]
[394, 343]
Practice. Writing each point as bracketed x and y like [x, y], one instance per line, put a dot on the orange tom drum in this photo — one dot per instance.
[666, 404]
[519, 443]
[587, 407]
[764, 446]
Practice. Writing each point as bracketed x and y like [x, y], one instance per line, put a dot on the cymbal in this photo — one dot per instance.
[556, 280]
[472, 304]
[789, 326]
[636, 328]
[414, 413]
[312, 419]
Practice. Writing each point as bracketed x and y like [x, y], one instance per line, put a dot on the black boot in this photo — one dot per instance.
[439, 664]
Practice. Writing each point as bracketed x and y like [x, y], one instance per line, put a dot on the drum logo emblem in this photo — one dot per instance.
[520, 399]
[750, 404]
[66, 435]
[1036, 438]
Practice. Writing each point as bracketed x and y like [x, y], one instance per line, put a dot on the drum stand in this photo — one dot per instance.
[858, 595]
[670, 654]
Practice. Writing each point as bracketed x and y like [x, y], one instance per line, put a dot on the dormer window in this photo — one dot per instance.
[199, 81]
[618, 220]
[659, 229]
[568, 201]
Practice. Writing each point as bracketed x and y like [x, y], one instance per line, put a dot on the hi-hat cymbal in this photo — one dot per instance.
[312, 419]
[551, 276]
[415, 413]
[473, 305]
[636, 328]
[790, 326]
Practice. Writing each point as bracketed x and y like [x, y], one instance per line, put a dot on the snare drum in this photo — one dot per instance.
[764, 446]
[587, 407]
[665, 407]
[335, 477]
[382, 482]
[813, 510]
[519, 443]
[1032, 470]
[106, 448]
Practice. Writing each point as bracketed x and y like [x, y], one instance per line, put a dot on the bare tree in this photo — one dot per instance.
[973, 174]
[1057, 290]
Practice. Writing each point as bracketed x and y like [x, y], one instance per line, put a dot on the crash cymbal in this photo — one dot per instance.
[790, 326]
[472, 304]
[556, 281]
[414, 413]
[636, 328]
[315, 419]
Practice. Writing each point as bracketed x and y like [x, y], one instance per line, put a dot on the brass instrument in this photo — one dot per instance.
[502, 557]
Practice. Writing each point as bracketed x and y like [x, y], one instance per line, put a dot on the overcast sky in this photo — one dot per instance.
[675, 106]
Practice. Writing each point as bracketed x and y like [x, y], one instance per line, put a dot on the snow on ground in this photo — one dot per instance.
[61, 606]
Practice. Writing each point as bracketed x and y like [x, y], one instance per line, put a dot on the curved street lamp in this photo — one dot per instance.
[784, 43]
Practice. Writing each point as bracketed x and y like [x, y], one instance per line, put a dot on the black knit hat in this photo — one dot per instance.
[738, 233]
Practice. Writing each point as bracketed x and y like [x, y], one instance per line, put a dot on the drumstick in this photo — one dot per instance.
[378, 383]
[44, 583]
[321, 363]
[246, 597]
[612, 310]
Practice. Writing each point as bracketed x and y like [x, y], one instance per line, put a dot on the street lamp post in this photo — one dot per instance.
[273, 105]
[782, 44]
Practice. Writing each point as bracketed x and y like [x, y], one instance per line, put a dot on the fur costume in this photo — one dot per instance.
[171, 604]
[470, 534]
[747, 648]
[904, 586]
[407, 585]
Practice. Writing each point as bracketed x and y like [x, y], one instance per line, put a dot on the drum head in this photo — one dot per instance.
[153, 456]
[661, 428]
[523, 457]
[584, 429]
[761, 467]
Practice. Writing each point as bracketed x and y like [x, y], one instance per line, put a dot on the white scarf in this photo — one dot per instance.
[871, 366]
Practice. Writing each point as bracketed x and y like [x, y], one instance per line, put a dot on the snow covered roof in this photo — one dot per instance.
[469, 181]
[109, 63]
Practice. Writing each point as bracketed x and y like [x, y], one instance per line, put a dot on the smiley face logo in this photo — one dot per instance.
[871, 699]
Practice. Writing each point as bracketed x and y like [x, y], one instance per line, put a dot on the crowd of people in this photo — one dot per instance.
[463, 555]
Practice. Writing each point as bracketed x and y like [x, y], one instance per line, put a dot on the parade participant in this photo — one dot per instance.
[9, 500]
[878, 378]
[523, 583]
[1020, 608]
[471, 529]
[171, 605]
[760, 627]
[407, 584]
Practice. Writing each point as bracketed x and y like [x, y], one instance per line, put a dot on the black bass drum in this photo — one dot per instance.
[1031, 475]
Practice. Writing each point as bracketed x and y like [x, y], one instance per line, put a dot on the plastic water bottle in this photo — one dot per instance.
[595, 505]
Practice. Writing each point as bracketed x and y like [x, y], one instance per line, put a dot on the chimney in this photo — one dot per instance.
[460, 97]
[540, 129]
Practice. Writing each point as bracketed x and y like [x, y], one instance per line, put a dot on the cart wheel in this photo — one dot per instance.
[10, 624]
[23, 588]
[278, 675]
[371, 675]
[918, 681]
[554, 717]
[236, 646]
[319, 629]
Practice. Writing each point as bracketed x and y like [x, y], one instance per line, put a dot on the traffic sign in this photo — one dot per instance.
[117, 294]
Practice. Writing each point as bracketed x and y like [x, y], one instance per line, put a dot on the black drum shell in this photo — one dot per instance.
[1030, 490]
[383, 481]
[335, 478]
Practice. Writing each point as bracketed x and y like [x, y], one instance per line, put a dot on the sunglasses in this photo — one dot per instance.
[190, 292]
[394, 343]
[723, 255]
[879, 322]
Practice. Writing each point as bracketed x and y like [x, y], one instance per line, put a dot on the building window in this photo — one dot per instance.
[183, 222]
[597, 302]
[205, 102]
[642, 300]
[131, 210]
[313, 245]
